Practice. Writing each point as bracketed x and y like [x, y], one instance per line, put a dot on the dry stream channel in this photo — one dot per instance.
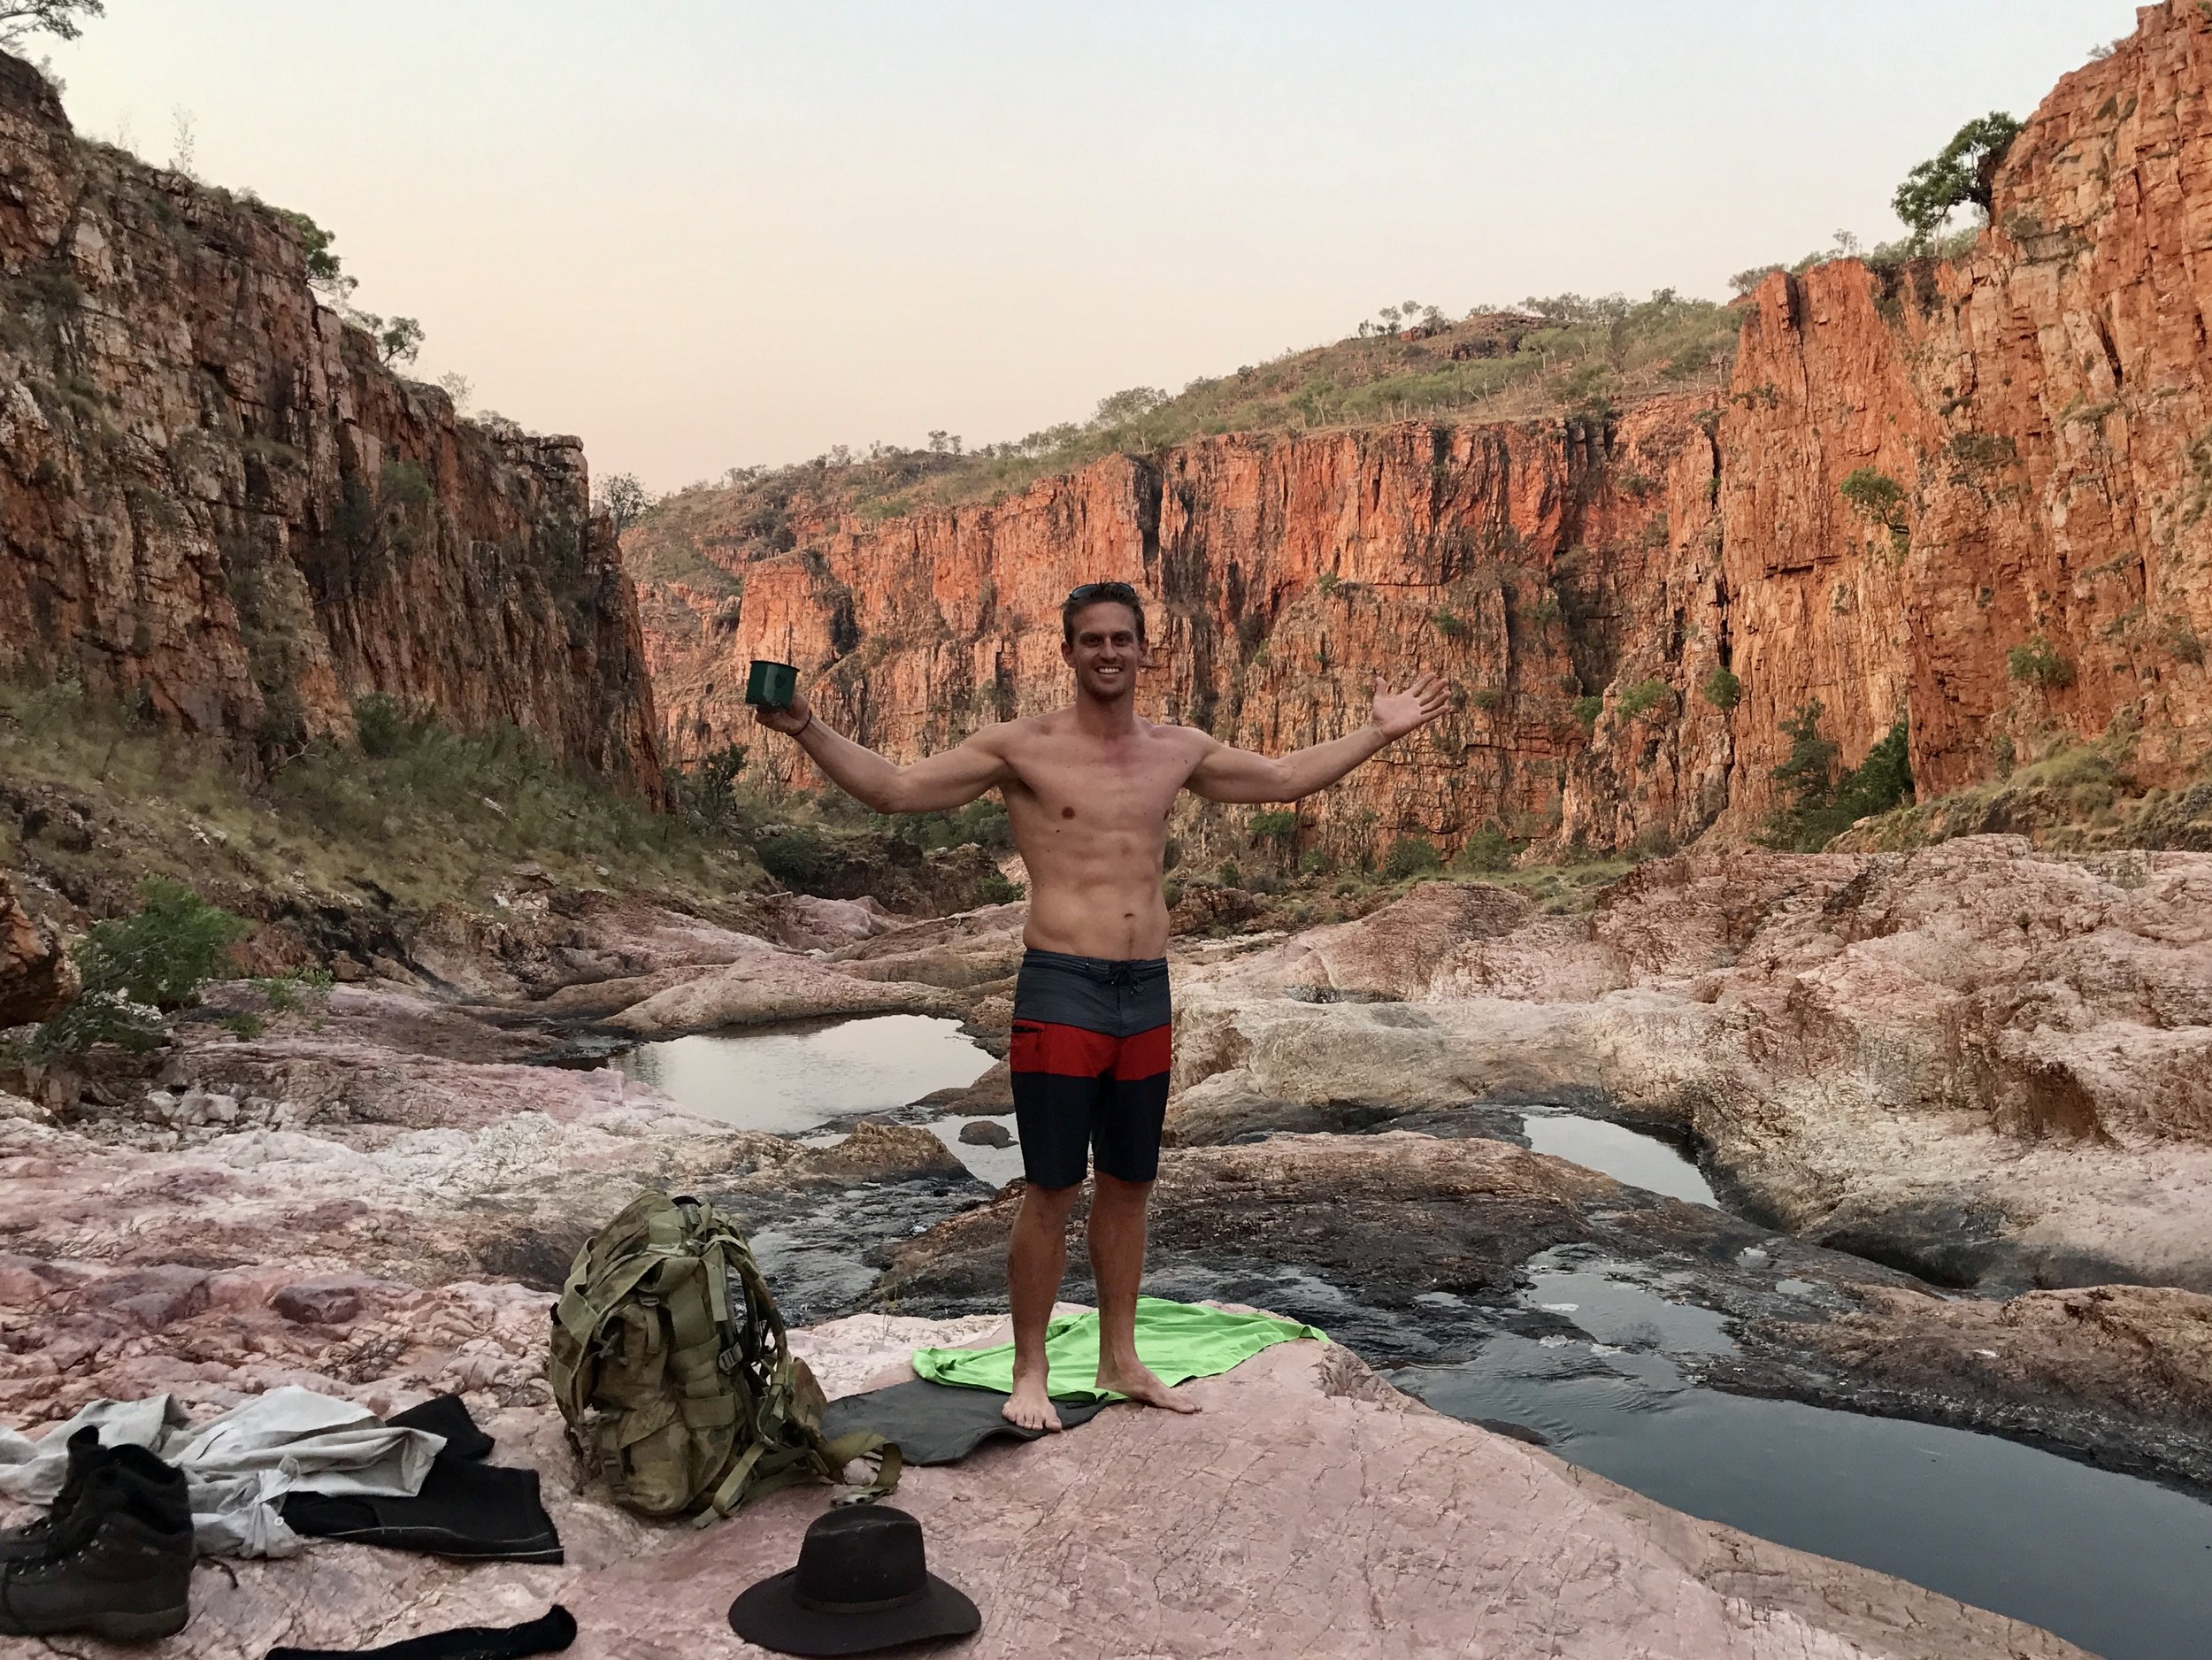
[1603, 1360]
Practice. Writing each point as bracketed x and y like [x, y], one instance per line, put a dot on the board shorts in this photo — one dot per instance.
[1092, 1040]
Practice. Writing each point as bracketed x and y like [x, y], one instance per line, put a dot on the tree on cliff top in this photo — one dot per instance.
[1962, 173]
[19, 19]
[623, 499]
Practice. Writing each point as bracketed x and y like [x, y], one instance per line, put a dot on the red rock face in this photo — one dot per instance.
[2039, 406]
[2043, 403]
[1284, 575]
[215, 498]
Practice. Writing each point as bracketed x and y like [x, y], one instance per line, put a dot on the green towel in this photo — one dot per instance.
[1178, 1340]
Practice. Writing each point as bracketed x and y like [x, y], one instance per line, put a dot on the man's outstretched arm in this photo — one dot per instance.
[936, 783]
[1238, 775]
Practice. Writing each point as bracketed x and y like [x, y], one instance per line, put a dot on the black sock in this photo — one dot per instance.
[554, 1629]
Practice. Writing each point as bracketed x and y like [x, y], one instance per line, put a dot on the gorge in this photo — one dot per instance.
[1919, 1124]
[2023, 564]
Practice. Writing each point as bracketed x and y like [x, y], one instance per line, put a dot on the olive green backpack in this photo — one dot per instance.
[670, 1364]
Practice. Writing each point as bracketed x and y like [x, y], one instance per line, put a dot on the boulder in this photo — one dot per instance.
[37, 979]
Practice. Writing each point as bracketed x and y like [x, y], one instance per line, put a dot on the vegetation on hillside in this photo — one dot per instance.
[2073, 796]
[1547, 357]
[1819, 800]
[416, 815]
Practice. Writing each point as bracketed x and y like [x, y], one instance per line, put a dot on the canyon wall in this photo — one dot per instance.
[217, 504]
[2021, 559]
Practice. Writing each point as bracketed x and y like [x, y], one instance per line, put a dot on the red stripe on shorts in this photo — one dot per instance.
[1074, 1051]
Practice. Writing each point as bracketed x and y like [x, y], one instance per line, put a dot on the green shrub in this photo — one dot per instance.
[1874, 495]
[381, 724]
[1315, 862]
[40, 710]
[1641, 698]
[706, 790]
[2037, 659]
[992, 888]
[138, 968]
[1228, 875]
[1275, 824]
[1327, 581]
[795, 854]
[1818, 804]
[405, 485]
[982, 822]
[1410, 856]
[1451, 625]
[1586, 710]
[1721, 689]
[1486, 698]
[1485, 849]
[290, 994]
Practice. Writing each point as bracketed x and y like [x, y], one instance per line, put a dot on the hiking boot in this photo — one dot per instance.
[118, 1565]
[30, 1538]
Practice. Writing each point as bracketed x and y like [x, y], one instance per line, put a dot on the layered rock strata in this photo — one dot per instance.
[1631, 605]
[219, 506]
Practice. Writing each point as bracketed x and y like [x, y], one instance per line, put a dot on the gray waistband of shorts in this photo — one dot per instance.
[1107, 970]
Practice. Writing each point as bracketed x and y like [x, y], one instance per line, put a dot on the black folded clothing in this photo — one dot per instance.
[938, 1423]
[467, 1508]
[553, 1630]
[447, 1415]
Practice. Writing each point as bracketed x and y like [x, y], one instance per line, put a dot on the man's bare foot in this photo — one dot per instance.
[1137, 1382]
[1029, 1406]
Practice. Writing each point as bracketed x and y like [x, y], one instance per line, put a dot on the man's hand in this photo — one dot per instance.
[1397, 713]
[792, 720]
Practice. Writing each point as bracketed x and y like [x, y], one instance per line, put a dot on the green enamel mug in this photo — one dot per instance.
[771, 685]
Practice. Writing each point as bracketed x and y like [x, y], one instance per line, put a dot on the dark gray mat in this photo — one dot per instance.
[936, 1424]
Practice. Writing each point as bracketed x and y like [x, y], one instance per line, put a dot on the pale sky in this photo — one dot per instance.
[703, 233]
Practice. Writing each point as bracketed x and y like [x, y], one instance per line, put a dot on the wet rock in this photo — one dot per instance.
[993, 1093]
[2120, 1376]
[983, 1132]
[872, 1152]
[1403, 1246]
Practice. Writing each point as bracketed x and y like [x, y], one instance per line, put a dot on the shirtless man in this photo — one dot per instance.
[1087, 791]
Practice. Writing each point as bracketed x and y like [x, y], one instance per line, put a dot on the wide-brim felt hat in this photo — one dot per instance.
[862, 1583]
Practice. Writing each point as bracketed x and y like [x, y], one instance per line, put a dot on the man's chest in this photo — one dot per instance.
[1103, 785]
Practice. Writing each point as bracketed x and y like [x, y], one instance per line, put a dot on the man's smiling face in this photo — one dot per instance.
[1107, 650]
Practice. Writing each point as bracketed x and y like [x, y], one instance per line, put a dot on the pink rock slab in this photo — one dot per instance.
[1308, 1510]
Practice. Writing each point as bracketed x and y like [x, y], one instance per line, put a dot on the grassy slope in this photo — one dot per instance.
[94, 802]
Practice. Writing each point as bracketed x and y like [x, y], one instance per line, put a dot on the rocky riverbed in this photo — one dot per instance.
[1975, 1069]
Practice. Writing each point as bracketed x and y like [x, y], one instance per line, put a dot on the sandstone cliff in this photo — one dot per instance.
[2023, 560]
[215, 500]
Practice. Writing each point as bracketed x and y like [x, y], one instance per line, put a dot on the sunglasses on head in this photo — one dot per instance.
[1100, 590]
